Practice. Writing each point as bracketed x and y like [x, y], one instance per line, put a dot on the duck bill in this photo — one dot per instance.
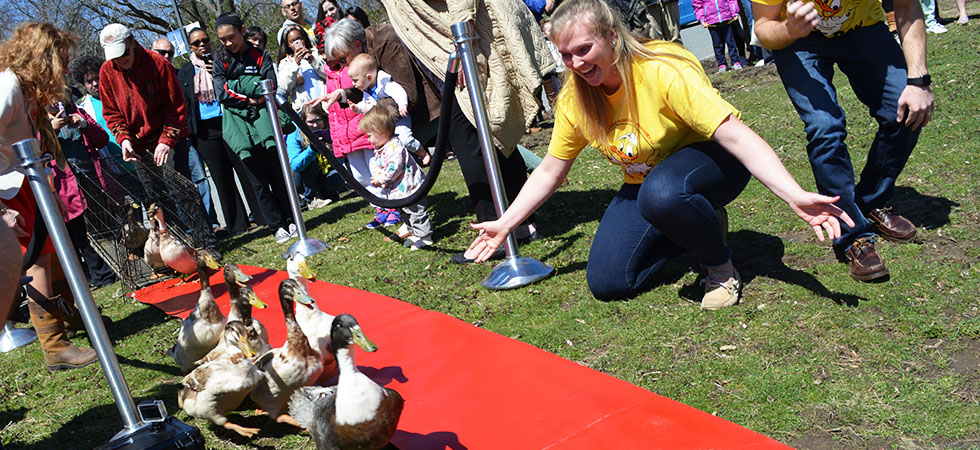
[246, 347]
[305, 271]
[304, 300]
[362, 341]
[211, 263]
[241, 278]
[255, 301]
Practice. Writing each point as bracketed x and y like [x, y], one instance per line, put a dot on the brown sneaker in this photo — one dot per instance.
[864, 262]
[892, 226]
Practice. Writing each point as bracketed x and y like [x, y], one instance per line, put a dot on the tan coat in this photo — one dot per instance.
[509, 39]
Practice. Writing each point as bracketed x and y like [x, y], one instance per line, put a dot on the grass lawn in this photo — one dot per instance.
[819, 360]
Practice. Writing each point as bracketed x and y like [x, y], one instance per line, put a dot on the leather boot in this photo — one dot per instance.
[59, 352]
[73, 317]
[892, 25]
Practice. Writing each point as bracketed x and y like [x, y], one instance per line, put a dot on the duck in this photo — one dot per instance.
[314, 322]
[151, 249]
[133, 234]
[201, 331]
[214, 389]
[175, 254]
[243, 298]
[292, 366]
[357, 412]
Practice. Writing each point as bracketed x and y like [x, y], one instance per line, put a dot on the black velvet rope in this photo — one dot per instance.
[442, 145]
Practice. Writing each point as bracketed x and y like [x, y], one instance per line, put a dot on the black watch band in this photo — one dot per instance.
[922, 81]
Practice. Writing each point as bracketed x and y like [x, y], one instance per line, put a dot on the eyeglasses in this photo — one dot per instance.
[293, 5]
[165, 53]
[200, 42]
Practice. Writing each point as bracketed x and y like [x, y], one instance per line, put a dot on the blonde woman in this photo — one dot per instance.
[33, 64]
[649, 108]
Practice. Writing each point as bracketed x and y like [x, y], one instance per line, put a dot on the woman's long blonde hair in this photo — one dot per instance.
[602, 21]
[36, 54]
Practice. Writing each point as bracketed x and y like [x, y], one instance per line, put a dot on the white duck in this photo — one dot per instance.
[357, 412]
[314, 322]
[294, 365]
[214, 389]
[201, 331]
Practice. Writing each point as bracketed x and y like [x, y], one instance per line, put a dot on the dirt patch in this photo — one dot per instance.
[749, 78]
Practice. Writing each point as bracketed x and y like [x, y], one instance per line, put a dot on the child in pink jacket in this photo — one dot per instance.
[720, 18]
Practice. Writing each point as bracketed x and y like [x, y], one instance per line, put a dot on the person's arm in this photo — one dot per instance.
[698, 6]
[776, 33]
[114, 118]
[397, 93]
[916, 102]
[761, 161]
[226, 96]
[175, 116]
[287, 75]
[95, 136]
[543, 182]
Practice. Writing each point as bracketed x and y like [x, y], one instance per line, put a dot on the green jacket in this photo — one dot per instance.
[249, 129]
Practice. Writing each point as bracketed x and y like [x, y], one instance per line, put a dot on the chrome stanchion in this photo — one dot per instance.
[305, 245]
[35, 167]
[515, 271]
[13, 338]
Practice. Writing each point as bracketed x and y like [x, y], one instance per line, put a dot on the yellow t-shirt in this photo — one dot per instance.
[840, 16]
[677, 107]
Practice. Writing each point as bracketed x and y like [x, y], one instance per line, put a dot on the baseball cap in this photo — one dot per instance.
[113, 38]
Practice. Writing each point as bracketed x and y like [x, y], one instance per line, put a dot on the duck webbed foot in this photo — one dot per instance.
[244, 431]
[287, 419]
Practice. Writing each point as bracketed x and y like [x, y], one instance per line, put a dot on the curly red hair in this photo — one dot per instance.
[37, 54]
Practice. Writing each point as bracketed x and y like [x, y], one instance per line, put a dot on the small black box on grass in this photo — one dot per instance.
[167, 434]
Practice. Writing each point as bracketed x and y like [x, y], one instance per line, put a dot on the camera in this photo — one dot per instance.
[152, 411]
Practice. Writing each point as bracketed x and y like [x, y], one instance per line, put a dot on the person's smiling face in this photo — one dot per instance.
[231, 37]
[590, 56]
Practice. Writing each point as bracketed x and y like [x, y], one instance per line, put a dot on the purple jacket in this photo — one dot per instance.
[714, 12]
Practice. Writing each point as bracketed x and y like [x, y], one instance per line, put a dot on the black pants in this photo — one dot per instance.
[218, 157]
[96, 270]
[466, 145]
[265, 178]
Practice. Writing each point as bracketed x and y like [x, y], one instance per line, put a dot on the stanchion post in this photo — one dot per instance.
[304, 245]
[515, 271]
[35, 167]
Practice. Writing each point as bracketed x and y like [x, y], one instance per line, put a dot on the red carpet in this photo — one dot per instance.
[468, 388]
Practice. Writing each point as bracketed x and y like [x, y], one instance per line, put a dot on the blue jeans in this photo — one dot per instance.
[200, 178]
[673, 210]
[307, 182]
[875, 67]
[722, 35]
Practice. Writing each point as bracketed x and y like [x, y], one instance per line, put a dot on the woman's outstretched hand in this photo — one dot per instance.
[820, 212]
[491, 237]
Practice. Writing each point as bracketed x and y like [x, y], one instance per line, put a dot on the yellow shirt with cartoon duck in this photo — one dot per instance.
[676, 105]
[839, 16]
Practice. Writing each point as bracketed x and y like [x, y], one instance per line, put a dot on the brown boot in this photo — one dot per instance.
[73, 317]
[59, 352]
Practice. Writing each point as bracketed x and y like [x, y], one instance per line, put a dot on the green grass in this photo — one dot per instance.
[820, 360]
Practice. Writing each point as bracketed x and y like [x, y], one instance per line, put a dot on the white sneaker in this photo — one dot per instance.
[937, 28]
[293, 231]
[320, 203]
[282, 235]
[760, 63]
[721, 293]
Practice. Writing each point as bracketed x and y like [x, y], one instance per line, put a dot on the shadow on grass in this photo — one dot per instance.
[757, 254]
[925, 211]
[135, 323]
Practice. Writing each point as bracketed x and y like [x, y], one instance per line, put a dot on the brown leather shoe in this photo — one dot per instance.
[864, 262]
[892, 226]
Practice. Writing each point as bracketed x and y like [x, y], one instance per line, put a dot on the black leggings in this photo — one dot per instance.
[465, 142]
[265, 177]
[222, 164]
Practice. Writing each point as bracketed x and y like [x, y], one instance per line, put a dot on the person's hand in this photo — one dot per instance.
[59, 120]
[62, 208]
[78, 121]
[915, 106]
[256, 100]
[128, 154]
[819, 211]
[209, 66]
[801, 18]
[330, 98]
[704, 24]
[14, 221]
[354, 107]
[492, 236]
[161, 154]
[403, 111]
[302, 53]
[375, 181]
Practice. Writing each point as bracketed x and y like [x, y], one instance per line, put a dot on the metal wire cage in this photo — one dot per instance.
[119, 194]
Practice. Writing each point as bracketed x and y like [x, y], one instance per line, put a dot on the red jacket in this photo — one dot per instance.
[143, 104]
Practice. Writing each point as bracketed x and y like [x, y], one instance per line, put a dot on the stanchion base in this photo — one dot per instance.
[307, 247]
[515, 272]
[12, 338]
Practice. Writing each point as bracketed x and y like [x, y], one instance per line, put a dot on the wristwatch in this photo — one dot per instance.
[922, 81]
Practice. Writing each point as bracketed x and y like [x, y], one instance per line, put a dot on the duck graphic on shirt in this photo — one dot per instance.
[833, 15]
[631, 148]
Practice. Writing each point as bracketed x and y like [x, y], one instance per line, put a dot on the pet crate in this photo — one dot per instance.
[119, 193]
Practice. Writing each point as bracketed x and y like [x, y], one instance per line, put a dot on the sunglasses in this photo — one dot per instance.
[165, 53]
[199, 42]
